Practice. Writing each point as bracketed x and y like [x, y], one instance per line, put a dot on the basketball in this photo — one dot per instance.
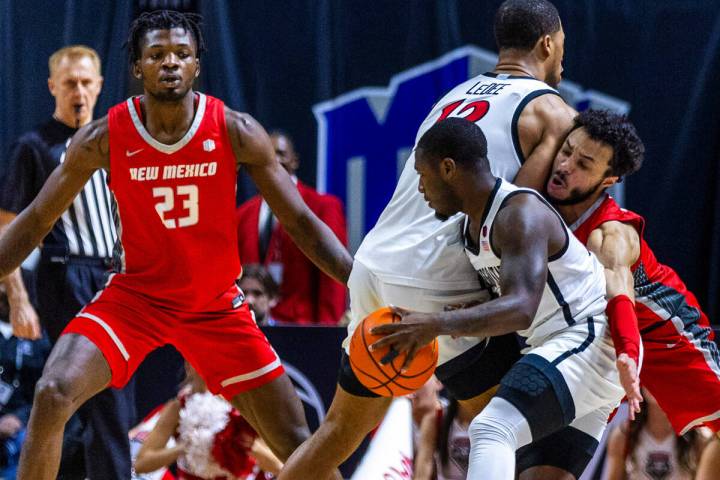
[387, 380]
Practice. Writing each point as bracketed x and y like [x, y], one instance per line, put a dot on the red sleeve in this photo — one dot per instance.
[624, 326]
[331, 299]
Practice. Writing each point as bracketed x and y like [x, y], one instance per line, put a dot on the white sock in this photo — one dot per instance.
[495, 434]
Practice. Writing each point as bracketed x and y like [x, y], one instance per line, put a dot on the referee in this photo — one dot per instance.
[75, 257]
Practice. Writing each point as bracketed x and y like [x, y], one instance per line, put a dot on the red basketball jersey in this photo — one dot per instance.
[660, 294]
[174, 208]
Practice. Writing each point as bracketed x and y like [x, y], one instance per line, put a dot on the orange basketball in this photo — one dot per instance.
[387, 380]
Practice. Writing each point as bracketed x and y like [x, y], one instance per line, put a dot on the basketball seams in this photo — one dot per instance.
[393, 386]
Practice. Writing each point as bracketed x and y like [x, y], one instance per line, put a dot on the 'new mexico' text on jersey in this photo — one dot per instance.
[575, 287]
[174, 208]
[409, 245]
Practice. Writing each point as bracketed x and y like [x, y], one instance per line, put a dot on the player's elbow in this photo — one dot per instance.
[524, 309]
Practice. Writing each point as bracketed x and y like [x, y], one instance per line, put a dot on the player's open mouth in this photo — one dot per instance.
[557, 182]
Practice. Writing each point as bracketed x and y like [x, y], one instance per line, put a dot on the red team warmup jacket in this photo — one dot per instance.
[306, 294]
[681, 365]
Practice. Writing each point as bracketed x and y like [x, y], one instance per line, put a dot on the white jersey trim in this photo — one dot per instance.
[162, 147]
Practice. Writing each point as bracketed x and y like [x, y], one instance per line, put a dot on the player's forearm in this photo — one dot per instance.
[14, 286]
[321, 246]
[18, 240]
[507, 314]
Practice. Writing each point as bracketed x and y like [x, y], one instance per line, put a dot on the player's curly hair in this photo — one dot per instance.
[616, 131]
[521, 23]
[163, 20]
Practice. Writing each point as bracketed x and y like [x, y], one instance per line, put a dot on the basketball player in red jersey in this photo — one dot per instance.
[172, 156]
[646, 299]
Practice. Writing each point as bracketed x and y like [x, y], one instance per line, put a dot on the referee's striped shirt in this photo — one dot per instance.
[88, 224]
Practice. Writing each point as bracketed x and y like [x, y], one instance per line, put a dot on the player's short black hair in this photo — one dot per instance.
[260, 273]
[455, 138]
[163, 20]
[619, 133]
[521, 23]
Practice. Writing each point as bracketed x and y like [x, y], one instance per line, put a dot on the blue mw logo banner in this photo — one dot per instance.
[365, 136]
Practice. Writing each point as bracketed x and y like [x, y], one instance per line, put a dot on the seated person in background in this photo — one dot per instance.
[211, 440]
[648, 448]
[21, 364]
[306, 294]
[710, 461]
[260, 291]
[442, 444]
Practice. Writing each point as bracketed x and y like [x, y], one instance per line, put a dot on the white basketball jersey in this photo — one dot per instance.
[409, 245]
[575, 287]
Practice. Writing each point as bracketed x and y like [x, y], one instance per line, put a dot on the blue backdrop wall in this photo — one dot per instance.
[278, 59]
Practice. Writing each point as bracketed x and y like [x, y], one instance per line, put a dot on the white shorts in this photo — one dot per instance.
[368, 293]
[578, 364]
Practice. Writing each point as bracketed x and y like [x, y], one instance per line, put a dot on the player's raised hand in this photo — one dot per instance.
[412, 332]
[630, 381]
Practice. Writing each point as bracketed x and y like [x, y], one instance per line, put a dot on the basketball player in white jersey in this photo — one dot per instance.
[545, 285]
[413, 259]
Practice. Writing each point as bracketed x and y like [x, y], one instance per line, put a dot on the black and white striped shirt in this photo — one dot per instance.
[86, 229]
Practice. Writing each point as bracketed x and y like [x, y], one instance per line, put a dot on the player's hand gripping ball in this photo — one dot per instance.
[386, 379]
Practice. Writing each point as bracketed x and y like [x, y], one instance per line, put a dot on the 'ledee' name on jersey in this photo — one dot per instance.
[142, 174]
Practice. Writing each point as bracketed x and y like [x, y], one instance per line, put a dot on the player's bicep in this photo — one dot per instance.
[521, 236]
[617, 246]
[542, 128]
[61, 188]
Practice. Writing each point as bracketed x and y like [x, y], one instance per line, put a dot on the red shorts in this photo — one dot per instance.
[224, 345]
[681, 368]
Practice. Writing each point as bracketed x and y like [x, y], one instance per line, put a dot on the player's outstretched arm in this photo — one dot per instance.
[525, 232]
[542, 128]
[87, 152]
[253, 149]
[617, 246]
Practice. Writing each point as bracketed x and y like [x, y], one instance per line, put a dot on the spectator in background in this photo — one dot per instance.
[260, 291]
[21, 364]
[307, 296]
[75, 257]
[207, 438]
[648, 448]
[442, 444]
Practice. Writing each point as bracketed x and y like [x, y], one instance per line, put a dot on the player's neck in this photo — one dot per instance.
[516, 63]
[571, 213]
[476, 193]
[167, 121]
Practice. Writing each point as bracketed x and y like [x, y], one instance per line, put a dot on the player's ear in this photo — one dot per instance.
[136, 71]
[448, 168]
[197, 67]
[51, 86]
[609, 181]
[544, 47]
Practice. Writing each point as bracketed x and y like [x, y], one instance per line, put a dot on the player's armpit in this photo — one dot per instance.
[542, 128]
[88, 151]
